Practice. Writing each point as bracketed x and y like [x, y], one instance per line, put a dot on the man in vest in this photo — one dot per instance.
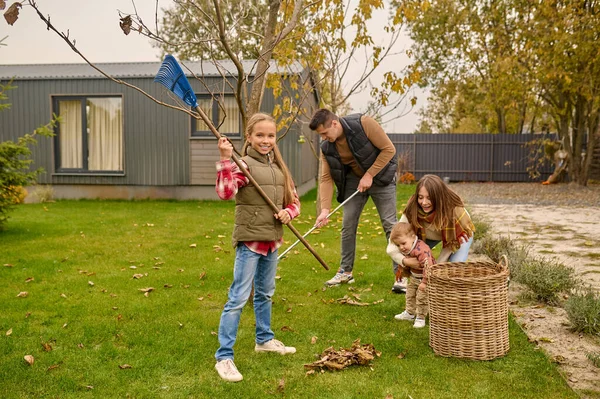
[356, 154]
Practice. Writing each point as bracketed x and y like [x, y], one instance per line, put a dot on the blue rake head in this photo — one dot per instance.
[172, 77]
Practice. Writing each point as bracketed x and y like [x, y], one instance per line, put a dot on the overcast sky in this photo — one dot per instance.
[94, 25]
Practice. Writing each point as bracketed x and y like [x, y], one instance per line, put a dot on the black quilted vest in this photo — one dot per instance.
[363, 151]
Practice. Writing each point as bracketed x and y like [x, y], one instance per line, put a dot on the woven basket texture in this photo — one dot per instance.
[468, 309]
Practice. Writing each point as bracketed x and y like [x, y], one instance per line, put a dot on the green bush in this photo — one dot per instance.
[583, 311]
[594, 357]
[547, 278]
[495, 247]
[482, 227]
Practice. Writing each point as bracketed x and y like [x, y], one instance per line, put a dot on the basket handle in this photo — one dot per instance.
[503, 261]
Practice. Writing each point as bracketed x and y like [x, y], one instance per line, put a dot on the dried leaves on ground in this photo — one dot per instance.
[332, 359]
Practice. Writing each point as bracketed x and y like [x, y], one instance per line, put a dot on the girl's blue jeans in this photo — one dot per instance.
[461, 253]
[249, 267]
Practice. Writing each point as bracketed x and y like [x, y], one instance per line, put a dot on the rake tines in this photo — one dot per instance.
[172, 77]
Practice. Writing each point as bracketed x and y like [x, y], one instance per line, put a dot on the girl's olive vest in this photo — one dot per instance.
[254, 220]
[363, 151]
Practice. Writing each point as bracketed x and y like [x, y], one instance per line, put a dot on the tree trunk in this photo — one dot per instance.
[578, 133]
[501, 121]
[593, 133]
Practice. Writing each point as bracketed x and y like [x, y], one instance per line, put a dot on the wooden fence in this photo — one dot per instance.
[469, 157]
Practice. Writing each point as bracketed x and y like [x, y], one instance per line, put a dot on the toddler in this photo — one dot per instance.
[409, 245]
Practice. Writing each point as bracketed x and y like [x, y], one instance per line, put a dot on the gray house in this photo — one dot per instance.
[114, 142]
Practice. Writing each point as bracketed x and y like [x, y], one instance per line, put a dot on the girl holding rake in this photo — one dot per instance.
[257, 235]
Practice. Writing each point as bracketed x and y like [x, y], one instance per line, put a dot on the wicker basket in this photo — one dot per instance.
[468, 309]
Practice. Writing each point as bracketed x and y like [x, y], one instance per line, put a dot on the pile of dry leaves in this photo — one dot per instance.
[331, 359]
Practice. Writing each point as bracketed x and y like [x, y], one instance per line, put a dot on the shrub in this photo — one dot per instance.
[44, 193]
[407, 178]
[594, 357]
[482, 227]
[547, 278]
[495, 247]
[14, 195]
[583, 311]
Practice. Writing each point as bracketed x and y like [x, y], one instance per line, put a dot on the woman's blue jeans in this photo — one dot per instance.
[249, 267]
[461, 253]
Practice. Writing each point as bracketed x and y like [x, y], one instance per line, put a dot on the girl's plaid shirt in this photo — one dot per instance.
[229, 180]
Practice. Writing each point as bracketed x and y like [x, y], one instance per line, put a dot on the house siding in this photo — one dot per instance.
[158, 148]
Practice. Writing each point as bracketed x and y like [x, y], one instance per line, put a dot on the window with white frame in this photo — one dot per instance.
[89, 137]
[226, 114]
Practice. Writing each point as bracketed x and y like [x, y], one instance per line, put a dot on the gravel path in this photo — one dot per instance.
[529, 193]
[558, 221]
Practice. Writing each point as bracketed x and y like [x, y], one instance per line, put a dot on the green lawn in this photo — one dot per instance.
[169, 337]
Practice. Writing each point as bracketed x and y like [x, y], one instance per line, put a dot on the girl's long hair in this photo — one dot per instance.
[443, 199]
[288, 185]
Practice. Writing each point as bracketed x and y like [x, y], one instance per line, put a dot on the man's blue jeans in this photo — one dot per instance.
[384, 198]
[249, 266]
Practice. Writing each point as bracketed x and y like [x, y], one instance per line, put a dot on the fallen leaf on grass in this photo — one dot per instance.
[29, 279]
[281, 385]
[287, 329]
[348, 301]
[54, 366]
[138, 276]
[313, 340]
[8, 265]
[22, 294]
[124, 366]
[401, 355]
[9, 332]
[146, 290]
[29, 359]
[168, 285]
[202, 275]
[47, 347]
[91, 283]
[338, 360]
[364, 257]
[63, 296]
[201, 298]
[193, 245]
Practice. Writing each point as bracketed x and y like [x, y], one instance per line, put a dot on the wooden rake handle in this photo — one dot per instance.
[274, 207]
